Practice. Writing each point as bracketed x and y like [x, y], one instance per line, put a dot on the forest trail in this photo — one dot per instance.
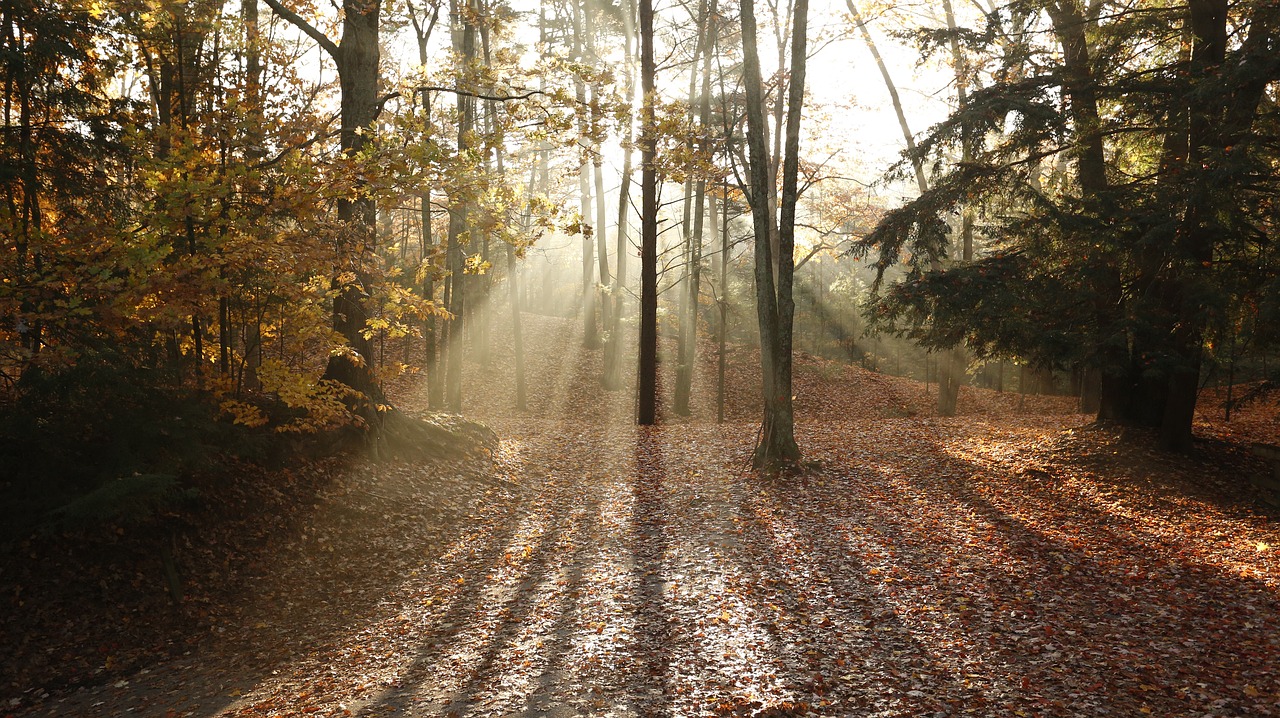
[995, 565]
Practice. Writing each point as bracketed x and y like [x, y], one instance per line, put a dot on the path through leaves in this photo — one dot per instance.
[997, 564]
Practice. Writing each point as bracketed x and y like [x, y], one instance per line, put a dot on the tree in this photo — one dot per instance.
[464, 41]
[613, 349]
[63, 151]
[1102, 273]
[774, 304]
[591, 330]
[356, 57]
[948, 387]
[695, 203]
[1220, 170]
[647, 385]
[422, 29]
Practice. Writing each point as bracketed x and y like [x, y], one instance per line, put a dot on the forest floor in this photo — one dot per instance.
[1011, 561]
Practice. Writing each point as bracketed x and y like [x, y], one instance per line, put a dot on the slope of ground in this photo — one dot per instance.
[1254, 417]
[1002, 563]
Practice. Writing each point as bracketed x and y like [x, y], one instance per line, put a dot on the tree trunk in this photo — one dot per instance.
[590, 332]
[1208, 141]
[950, 371]
[724, 302]
[952, 366]
[1080, 87]
[916, 163]
[426, 256]
[356, 56]
[513, 276]
[358, 78]
[775, 157]
[774, 304]
[459, 215]
[602, 248]
[254, 153]
[700, 197]
[435, 385]
[686, 346]
[517, 331]
[482, 285]
[1090, 390]
[494, 137]
[613, 350]
[597, 172]
[648, 376]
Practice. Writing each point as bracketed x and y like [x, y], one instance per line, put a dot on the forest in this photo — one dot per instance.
[640, 358]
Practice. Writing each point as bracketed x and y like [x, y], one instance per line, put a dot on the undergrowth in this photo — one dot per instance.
[106, 441]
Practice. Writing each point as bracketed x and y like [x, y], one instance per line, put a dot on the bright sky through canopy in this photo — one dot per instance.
[848, 116]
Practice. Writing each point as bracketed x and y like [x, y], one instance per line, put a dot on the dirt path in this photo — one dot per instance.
[989, 565]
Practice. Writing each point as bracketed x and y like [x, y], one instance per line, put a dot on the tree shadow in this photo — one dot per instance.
[1087, 612]
[548, 604]
[555, 559]
[279, 632]
[833, 623]
[649, 550]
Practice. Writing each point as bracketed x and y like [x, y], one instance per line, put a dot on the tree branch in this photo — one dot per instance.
[322, 135]
[820, 246]
[476, 95]
[297, 21]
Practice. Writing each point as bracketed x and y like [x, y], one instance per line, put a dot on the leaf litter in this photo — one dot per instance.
[1012, 561]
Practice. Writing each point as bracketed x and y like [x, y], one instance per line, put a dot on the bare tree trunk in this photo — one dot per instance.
[700, 195]
[517, 331]
[597, 171]
[481, 337]
[951, 365]
[781, 31]
[426, 256]
[590, 332]
[513, 280]
[435, 383]
[774, 304]
[513, 269]
[648, 377]
[724, 301]
[602, 247]
[916, 163]
[459, 215]
[613, 350]
[686, 350]
[483, 311]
